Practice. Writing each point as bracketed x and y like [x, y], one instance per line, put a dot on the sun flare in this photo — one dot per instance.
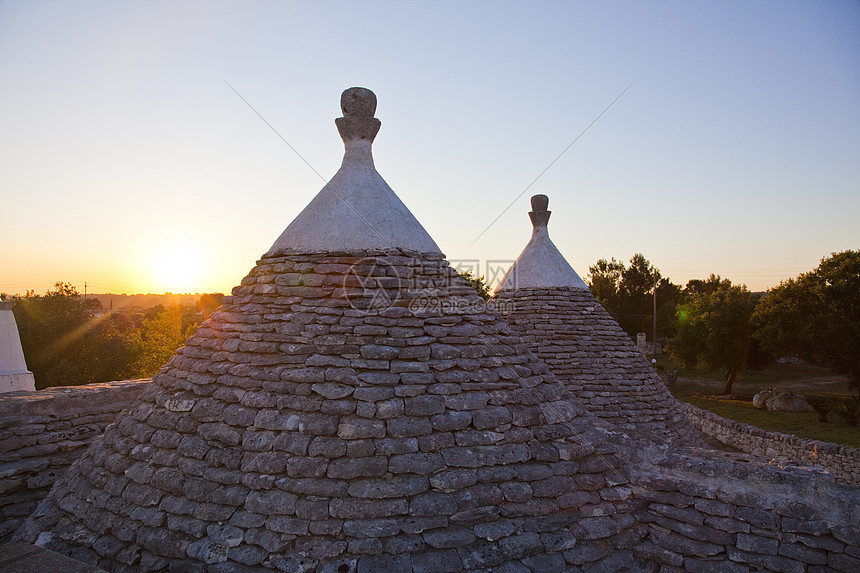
[175, 266]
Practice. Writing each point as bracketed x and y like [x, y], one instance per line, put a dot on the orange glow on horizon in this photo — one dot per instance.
[174, 263]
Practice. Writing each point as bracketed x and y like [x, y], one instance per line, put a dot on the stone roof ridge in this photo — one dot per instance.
[540, 265]
[356, 210]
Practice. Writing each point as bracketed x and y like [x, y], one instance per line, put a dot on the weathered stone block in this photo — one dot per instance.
[246, 555]
[350, 468]
[382, 488]
[289, 525]
[495, 530]
[403, 544]
[271, 502]
[449, 538]
[756, 544]
[367, 508]
[379, 352]
[432, 504]
[480, 555]
[453, 479]
[424, 405]
[414, 525]
[371, 528]
[319, 548]
[356, 428]
[758, 517]
[433, 561]
[418, 463]
[451, 421]
[408, 427]
[801, 553]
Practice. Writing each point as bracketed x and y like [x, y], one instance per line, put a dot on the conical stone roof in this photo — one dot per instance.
[552, 309]
[541, 264]
[347, 409]
[356, 210]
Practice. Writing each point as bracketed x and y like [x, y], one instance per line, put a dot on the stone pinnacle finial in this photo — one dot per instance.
[358, 102]
[539, 214]
[356, 211]
[358, 106]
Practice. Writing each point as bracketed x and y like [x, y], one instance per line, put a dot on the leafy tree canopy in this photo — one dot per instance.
[478, 283]
[627, 293]
[816, 316]
[713, 327]
[63, 342]
[162, 332]
[69, 341]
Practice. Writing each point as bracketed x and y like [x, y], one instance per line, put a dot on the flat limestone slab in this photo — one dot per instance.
[17, 557]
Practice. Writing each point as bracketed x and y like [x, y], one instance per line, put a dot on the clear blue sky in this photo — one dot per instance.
[127, 162]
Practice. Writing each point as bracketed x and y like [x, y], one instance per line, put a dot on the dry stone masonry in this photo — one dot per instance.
[42, 433]
[737, 513]
[562, 323]
[842, 462]
[354, 406]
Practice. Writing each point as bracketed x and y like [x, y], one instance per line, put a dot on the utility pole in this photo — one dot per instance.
[654, 339]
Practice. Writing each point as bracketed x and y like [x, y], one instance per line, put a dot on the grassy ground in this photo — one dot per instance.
[703, 388]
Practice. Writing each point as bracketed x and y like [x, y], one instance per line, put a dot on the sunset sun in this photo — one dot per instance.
[176, 266]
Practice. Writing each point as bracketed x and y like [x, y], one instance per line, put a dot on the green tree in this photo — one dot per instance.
[627, 293]
[816, 316]
[604, 280]
[162, 332]
[636, 291]
[67, 340]
[477, 283]
[713, 327]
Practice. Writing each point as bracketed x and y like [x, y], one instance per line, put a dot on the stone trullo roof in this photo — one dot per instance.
[563, 323]
[353, 406]
[541, 264]
[356, 210]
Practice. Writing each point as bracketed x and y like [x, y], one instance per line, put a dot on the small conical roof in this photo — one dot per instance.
[540, 265]
[356, 209]
[553, 310]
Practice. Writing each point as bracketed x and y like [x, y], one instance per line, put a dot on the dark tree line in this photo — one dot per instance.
[816, 316]
[714, 324]
[627, 292]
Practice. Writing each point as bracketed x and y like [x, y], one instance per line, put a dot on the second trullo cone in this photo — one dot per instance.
[552, 309]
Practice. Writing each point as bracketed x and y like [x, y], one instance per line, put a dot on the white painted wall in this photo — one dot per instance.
[13, 368]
